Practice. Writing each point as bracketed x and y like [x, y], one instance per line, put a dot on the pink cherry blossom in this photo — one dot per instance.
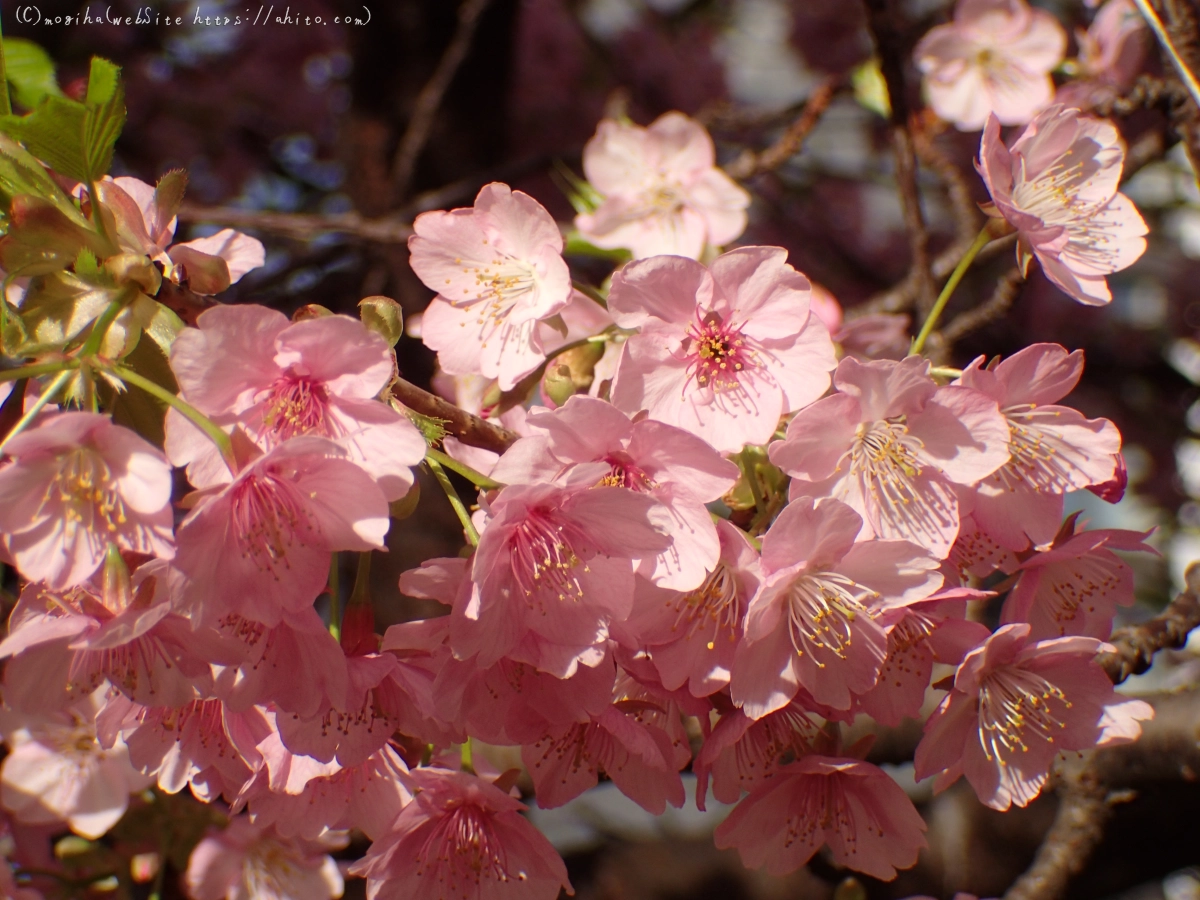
[1016, 704]
[1057, 186]
[864, 817]
[72, 642]
[662, 192]
[145, 220]
[76, 483]
[1111, 54]
[674, 467]
[461, 836]
[56, 770]
[1053, 448]
[692, 636]
[249, 366]
[995, 58]
[892, 445]
[809, 625]
[1076, 585]
[498, 271]
[273, 529]
[248, 862]
[724, 351]
[555, 563]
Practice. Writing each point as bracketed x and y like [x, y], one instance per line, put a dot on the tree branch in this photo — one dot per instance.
[468, 428]
[750, 163]
[301, 226]
[1137, 644]
[430, 98]
[988, 311]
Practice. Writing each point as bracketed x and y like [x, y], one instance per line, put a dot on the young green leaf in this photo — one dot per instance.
[30, 71]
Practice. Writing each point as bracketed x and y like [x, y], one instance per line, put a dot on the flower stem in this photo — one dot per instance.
[96, 337]
[31, 413]
[455, 501]
[197, 418]
[37, 369]
[981, 240]
[335, 600]
[476, 478]
[465, 756]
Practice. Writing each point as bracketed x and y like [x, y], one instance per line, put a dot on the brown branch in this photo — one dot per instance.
[750, 163]
[430, 98]
[988, 311]
[301, 226]
[958, 188]
[468, 428]
[1137, 644]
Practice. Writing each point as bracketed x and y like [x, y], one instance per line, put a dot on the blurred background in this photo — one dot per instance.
[311, 120]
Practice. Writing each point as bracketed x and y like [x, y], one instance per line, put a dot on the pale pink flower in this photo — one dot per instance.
[854, 808]
[995, 58]
[248, 862]
[1111, 54]
[554, 562]
[295, 665]
[742, 752]
[261, 546]
[919, 635]
[498, 270]
[662, 191]
[202, 745]
[461, 836]
[1076, 585]
[1016, 704]
[71, 642]
[692, 636]
[676, 468]
[723, 351]
[809, 625]
[249, 366]
[1057, 186]
[56, 770]
[1053, 449]
[892, 445]
[145, 220]
[77, 483]
[302, 797]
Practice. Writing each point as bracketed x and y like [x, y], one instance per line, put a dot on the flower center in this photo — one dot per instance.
[297, 405]
[84, 488]
[462, 851]
[1015, 704]
[715, 608]
[718, 354]
[624, 472]
[777, 739]
[1039, 458]
[821, 613]
[268, 519]
[544, 560]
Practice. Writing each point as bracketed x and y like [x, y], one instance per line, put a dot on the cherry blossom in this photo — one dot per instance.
[892, 445]
[1111, 54]
[249, 366]
[864, 817]
[722, 351]
[1057, 186]
[461, 836]
[808, 625]
[1016, 704]
[78, 482]
[995, 58]
[498, 271]
[662, 192]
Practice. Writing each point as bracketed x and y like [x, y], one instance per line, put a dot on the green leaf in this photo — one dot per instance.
[135, 408]
[30, 71]
[21, 173]
[383, 316]
[105, 102]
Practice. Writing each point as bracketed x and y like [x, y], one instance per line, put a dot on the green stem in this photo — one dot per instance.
[468, 764]
[476, 478]
[197, 418]
[591, 293]
[362, 580]
[37, 369]
[5, 99]
[945, 372]
[31, 413]
[981, 240]
[96, 337]
[455, 501]
[335, 600]
[97, 216]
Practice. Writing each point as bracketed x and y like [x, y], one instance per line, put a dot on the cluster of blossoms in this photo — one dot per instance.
[722, 534]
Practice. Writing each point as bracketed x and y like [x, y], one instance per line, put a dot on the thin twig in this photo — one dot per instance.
[750, 163]
[1137, 644]
[468, 428]
[988, 311]
[958, 188]
[301, 226]
[430, 97]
